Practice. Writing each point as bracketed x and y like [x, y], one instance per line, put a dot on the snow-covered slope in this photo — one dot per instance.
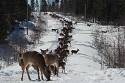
[80, 68]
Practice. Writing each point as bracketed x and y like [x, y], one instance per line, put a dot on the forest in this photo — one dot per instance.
[103, 11]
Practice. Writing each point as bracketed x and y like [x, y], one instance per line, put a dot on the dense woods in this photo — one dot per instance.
[9, 12]
[104, 11]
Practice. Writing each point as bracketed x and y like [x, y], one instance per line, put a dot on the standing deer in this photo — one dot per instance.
[89, 25]
[51, 59]
[37, 61]
[74, 51]
[62, 64]
[52, 69]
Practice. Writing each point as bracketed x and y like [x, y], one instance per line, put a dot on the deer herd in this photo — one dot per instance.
[49, 62]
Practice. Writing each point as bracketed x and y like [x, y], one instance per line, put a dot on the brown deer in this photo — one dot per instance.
[45, 51]
[62, 64]
[64, 56]
[37, 61]
[51, 59]
[74, 51]
[52, 69]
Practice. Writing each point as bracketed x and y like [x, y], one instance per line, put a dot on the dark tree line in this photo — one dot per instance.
[11, 10]
[104, 11]
[43, 5]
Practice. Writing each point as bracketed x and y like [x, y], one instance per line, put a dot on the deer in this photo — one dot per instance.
[52, 69]
[37, 61]
[56, 30]
[45, 51]
[89, 25]
[58, 49]
[64, 56]
[65, 47]
[65, 51]
[67, 42]
[51, 59]
[62, 64]
[62, 34]
[74, 51]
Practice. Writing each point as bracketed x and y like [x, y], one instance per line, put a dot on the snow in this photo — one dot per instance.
[80, 68]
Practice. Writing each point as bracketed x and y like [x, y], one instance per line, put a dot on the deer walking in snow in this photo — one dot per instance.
[74, 51]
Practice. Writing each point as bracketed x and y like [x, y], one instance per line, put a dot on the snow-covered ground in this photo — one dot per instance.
[82, 67]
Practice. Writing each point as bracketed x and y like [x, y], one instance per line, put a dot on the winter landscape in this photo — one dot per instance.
[82, 67]
[96, 56]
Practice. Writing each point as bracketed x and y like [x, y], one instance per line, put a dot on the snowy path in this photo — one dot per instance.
[80, 67]
[78, 64]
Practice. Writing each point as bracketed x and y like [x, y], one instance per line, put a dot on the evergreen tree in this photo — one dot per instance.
[10, 11]
[105, 11]
[37, 5]
[62, 6]
[43, 6]
[53, 6]
[32, 5]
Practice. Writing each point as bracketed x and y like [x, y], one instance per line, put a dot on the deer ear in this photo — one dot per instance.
[41, 50]
[46, 49]
[19, 55]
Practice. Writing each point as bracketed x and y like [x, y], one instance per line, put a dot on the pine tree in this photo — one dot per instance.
[37, 5]
[62, 6]
[53, 6]
[32, 5]
[10, 11]
[43, 6]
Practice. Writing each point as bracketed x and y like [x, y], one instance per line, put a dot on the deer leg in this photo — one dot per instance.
[66, 58]
[57, 68]
[27, 68]
[63, 69]
[36, 68]
[41, 74]
[38, 73]
[22, 74]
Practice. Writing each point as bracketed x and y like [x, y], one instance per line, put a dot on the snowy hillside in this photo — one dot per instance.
[82, 67]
